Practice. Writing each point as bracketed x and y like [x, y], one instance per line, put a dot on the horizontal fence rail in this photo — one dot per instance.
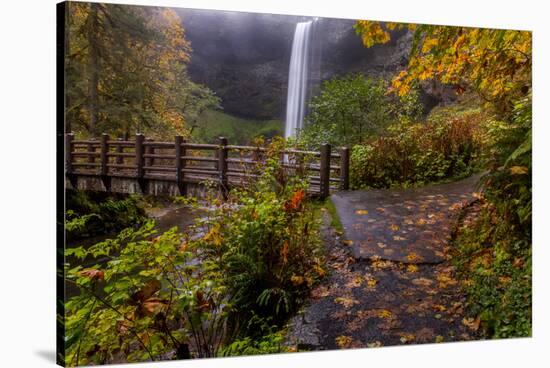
[184, 162]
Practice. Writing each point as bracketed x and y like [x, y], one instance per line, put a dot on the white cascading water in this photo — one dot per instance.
[297, 79]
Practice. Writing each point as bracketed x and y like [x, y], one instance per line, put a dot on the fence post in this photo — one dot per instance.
[139, 155]
[104, 151]
[119, 149]
[148, 151]
[324, 185]
[222, 165]
[180, 151]
[104, 161]
[344, 168]
[68, 153]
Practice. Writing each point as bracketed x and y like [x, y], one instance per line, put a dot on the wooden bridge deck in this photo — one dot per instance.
[183, 163]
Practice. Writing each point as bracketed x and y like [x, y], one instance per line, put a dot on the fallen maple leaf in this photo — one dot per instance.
[371, 283]
[413, 257]
[384, 313]
[320, 292]
[445, 280]
[346, 302]
[421, 222]
[343, 341]
[412, 268]
[355, 282]
[406, 338]
[375, 344]
[394, 227]
[471, 323]
[422, 281]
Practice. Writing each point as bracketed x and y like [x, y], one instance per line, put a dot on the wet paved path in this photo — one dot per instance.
[391, 280]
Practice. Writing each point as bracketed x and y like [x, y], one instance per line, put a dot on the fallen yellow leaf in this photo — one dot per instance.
[406, 338]
[421, 222]
[422, 281]
[346, 302]
[343, 341]
[384, 313]
[519, 170]
[413, 257]
[412, 268]
[361, 212]
[355, 282]
[472, 324]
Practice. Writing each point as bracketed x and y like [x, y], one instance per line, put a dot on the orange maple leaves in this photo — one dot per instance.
[295, 202]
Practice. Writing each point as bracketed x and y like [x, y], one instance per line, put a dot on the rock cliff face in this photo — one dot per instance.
[244, 57]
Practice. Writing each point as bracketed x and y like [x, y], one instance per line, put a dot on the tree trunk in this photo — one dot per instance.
[93, 68]
[66, 54]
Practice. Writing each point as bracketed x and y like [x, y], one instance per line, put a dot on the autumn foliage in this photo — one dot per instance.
[126, 69]
[259, 255]
[495, 63]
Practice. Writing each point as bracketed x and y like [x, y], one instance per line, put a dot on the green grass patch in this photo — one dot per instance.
[334, 217]
[214, 123]
[328, 205]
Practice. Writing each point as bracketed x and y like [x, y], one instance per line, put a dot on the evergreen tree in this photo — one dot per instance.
[127, 71]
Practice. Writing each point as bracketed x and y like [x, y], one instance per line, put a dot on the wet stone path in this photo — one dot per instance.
[391, 280]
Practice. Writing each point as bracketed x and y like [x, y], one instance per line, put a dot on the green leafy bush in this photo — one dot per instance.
[267, 344]
[494, 254]
[447, 145]
[149, 301]
[95, 213]
[267, 246]
[351, 109]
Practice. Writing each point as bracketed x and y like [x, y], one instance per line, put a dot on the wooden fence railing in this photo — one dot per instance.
[183, 162]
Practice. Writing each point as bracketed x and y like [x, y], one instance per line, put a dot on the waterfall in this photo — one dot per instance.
[297, 79]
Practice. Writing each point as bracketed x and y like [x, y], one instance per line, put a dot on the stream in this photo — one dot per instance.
[165, 218]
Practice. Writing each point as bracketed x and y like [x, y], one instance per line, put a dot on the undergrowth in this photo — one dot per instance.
[494, 251]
